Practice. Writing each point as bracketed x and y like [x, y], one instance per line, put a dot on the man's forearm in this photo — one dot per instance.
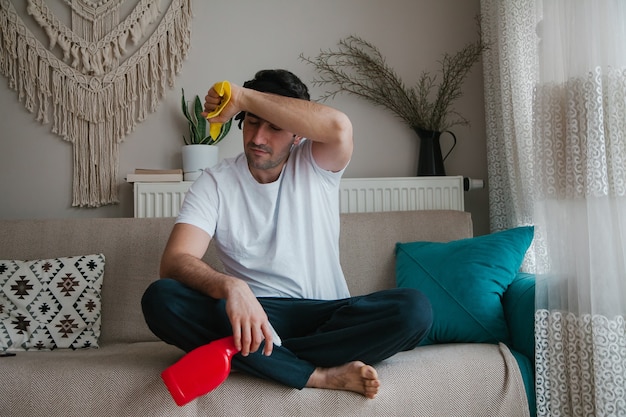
[314, 121]
[196, 274]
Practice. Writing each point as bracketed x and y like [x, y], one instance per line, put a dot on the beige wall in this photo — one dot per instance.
[231, 40]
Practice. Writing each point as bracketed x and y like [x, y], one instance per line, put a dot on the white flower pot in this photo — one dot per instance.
[196, 158]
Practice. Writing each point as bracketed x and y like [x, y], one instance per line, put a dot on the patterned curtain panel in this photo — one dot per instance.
[95, 76]
[557, 148]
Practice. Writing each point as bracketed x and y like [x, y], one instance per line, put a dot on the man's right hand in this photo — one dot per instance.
[249, 321]
[213, 100]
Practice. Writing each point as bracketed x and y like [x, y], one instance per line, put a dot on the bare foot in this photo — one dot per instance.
[353, 376]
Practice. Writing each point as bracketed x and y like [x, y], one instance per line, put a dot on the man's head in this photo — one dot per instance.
[266, 145]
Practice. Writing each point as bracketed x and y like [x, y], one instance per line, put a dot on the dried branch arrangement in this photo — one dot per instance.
[357, 67]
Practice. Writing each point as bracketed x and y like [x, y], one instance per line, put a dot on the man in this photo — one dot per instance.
[273, 213]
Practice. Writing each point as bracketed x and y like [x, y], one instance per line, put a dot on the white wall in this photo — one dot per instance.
[232, 40]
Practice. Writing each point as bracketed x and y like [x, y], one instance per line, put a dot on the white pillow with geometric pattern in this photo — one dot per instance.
[50, 303]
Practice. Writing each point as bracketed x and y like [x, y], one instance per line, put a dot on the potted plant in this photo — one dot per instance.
[358, 68]
[199, 151]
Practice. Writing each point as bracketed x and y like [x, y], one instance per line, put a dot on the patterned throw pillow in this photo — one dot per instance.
[50, 303]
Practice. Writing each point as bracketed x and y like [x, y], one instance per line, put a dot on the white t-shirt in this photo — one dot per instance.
[282, 238]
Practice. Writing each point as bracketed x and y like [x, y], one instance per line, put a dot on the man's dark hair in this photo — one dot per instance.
[279, 81]
[276, 81]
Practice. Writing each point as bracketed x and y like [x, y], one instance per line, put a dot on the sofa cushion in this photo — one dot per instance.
[50, 303]
[465, 281]
[123, 379]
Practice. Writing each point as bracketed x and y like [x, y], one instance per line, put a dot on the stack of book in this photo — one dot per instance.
[155, 175]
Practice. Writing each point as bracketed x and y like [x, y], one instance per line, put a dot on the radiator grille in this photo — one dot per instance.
[356, 195]
[361, 195]
[159, 199]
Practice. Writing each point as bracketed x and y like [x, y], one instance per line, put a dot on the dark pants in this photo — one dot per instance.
[314, 333]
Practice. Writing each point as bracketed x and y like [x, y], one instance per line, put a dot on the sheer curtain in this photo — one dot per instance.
[558, 72]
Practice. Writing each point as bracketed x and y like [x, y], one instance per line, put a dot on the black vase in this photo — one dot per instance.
[430, 161]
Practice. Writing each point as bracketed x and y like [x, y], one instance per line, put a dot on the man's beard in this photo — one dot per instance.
[256, 163]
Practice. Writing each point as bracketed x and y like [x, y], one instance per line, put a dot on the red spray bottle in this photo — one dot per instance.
[200, 371]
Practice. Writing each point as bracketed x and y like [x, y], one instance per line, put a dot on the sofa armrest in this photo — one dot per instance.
[519, 312]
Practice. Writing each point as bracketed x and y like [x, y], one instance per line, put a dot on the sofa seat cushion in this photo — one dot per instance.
[124, 380]
[113, 380]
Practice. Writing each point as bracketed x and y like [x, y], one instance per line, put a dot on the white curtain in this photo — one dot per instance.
[556, 115]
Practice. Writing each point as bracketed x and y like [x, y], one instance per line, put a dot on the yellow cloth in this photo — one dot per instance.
[223, 90]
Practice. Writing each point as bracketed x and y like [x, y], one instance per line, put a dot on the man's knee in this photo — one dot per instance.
[416, 314]
[182, 316]
[155, 299]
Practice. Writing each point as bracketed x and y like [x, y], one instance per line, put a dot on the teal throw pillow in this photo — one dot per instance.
[465, 281]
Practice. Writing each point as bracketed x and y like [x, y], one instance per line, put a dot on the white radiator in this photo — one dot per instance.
[159, 199]
[364, 195]
[356, 195]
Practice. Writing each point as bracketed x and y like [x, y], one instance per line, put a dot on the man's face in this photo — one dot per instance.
[266, 146]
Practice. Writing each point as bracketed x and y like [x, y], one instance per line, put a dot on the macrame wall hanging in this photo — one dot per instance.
[95, 91]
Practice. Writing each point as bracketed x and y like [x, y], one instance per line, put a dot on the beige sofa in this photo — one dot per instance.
[122, 376]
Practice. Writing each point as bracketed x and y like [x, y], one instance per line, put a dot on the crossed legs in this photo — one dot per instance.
[326, 344]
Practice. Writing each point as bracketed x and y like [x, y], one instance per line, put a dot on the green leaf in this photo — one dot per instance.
[184, 107]
[195, 135]
[200, 121]
[193, 131]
